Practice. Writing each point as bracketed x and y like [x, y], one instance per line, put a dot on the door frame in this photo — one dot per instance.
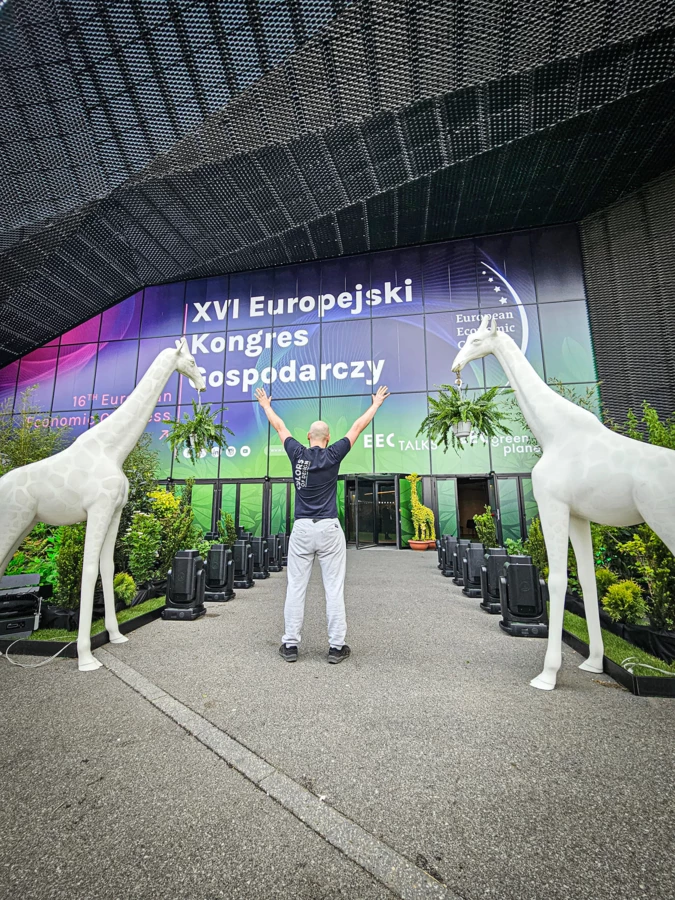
[374, 479]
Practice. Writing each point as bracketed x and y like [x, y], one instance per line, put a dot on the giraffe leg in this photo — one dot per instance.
[580, 535]
[107, 576]
[555, 518]
[98, 523]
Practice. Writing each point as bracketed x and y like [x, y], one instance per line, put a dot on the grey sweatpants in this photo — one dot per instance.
[325, 539]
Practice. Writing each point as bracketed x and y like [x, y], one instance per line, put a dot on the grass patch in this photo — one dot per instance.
[616, 648]
[125, 615]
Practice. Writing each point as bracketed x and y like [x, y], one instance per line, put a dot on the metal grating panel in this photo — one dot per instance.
[628, 253]
[143, 142]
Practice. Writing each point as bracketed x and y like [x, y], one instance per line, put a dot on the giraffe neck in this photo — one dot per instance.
[121, 430]
[546, 412]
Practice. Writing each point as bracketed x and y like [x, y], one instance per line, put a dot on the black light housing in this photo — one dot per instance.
[523, 598]
[185, 585]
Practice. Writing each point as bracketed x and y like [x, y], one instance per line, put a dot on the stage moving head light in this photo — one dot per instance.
[186, 581]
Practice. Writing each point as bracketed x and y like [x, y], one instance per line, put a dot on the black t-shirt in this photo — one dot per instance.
[315, 473]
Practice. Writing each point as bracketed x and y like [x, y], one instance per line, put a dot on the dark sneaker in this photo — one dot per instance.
[289, 652]
[338, 654]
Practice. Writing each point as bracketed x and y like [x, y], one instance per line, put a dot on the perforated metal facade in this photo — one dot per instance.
[629, 253]
[145, 142]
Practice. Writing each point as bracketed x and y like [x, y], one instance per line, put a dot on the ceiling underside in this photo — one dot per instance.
[144, 142]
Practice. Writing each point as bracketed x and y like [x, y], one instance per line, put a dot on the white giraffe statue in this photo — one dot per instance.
[586, 473]
[86, 481]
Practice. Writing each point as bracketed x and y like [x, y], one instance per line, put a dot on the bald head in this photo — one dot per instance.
[318, 434]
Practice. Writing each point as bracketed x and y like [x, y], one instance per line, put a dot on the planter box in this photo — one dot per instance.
[49, 648]
[640, 685]
[418, 545]
[652, 640]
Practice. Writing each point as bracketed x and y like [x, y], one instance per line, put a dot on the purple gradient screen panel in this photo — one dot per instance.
[8, 379]
[39, 368]
[122, 320]
[75, 377]
[115, 372]
[83, 334]
[163, 310]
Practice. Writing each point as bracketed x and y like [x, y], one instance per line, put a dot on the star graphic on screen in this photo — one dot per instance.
[497, 288]
[502, 300]
[490, 279]
[483, 272]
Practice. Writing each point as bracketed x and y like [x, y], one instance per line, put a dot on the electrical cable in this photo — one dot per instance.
[630, 662]
[44, 662]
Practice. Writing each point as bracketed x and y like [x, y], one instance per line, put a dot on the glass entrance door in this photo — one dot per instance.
[370, 511]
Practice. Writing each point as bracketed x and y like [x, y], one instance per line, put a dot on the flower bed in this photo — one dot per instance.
[653, 684]
[654, 641]
[48, 641]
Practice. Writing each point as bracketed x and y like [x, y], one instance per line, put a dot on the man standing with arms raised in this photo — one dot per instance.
[316, 530]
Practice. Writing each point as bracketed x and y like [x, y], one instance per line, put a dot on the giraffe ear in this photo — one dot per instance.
[493, 327]
[182, 346]
[485, 324]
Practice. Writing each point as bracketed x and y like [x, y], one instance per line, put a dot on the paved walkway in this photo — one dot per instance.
[198, 764]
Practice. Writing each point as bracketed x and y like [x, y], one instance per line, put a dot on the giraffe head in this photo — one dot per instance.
[186, 365]
[481, 343]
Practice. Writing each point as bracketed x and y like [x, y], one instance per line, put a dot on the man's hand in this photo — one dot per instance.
[263, 399]
[380, 396]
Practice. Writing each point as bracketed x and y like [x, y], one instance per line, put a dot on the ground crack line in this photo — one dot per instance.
[395, 871]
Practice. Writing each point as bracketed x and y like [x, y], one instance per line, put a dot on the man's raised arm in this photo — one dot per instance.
[275, 421]
[363, 421]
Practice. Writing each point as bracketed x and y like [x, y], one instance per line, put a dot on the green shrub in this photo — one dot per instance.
[203, 547]
[69, 566]
[623, 602]
[604, 579]
[226, 530]
[514, 548]
[177, 525]
[37, 554]
[536, 547]
[142, 542]
[124, 588]
[486, 528]
[140, 467]
[655, 564]
[23, 440]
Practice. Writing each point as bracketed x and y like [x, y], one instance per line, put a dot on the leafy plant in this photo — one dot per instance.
[37, 554]
[623, 602]
[69, 566]
[142, 542]
[177, 525]
[659, 432]
[226, 530]
[535, 547]
[656, 567]
[198, 433]
[124, 588]
[453, 406]
[515, 548]
[604, 579]
[140, 467]
[486, 528]
[23, 438]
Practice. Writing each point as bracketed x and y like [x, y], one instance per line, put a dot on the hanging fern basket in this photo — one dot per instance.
[455, 414]
[195, 436]
[461, 430]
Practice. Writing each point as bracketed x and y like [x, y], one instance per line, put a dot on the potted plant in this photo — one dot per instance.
[455, 414]
[422, 519]
[198, 433]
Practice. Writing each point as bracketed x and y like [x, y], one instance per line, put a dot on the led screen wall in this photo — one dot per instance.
[322, 336]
